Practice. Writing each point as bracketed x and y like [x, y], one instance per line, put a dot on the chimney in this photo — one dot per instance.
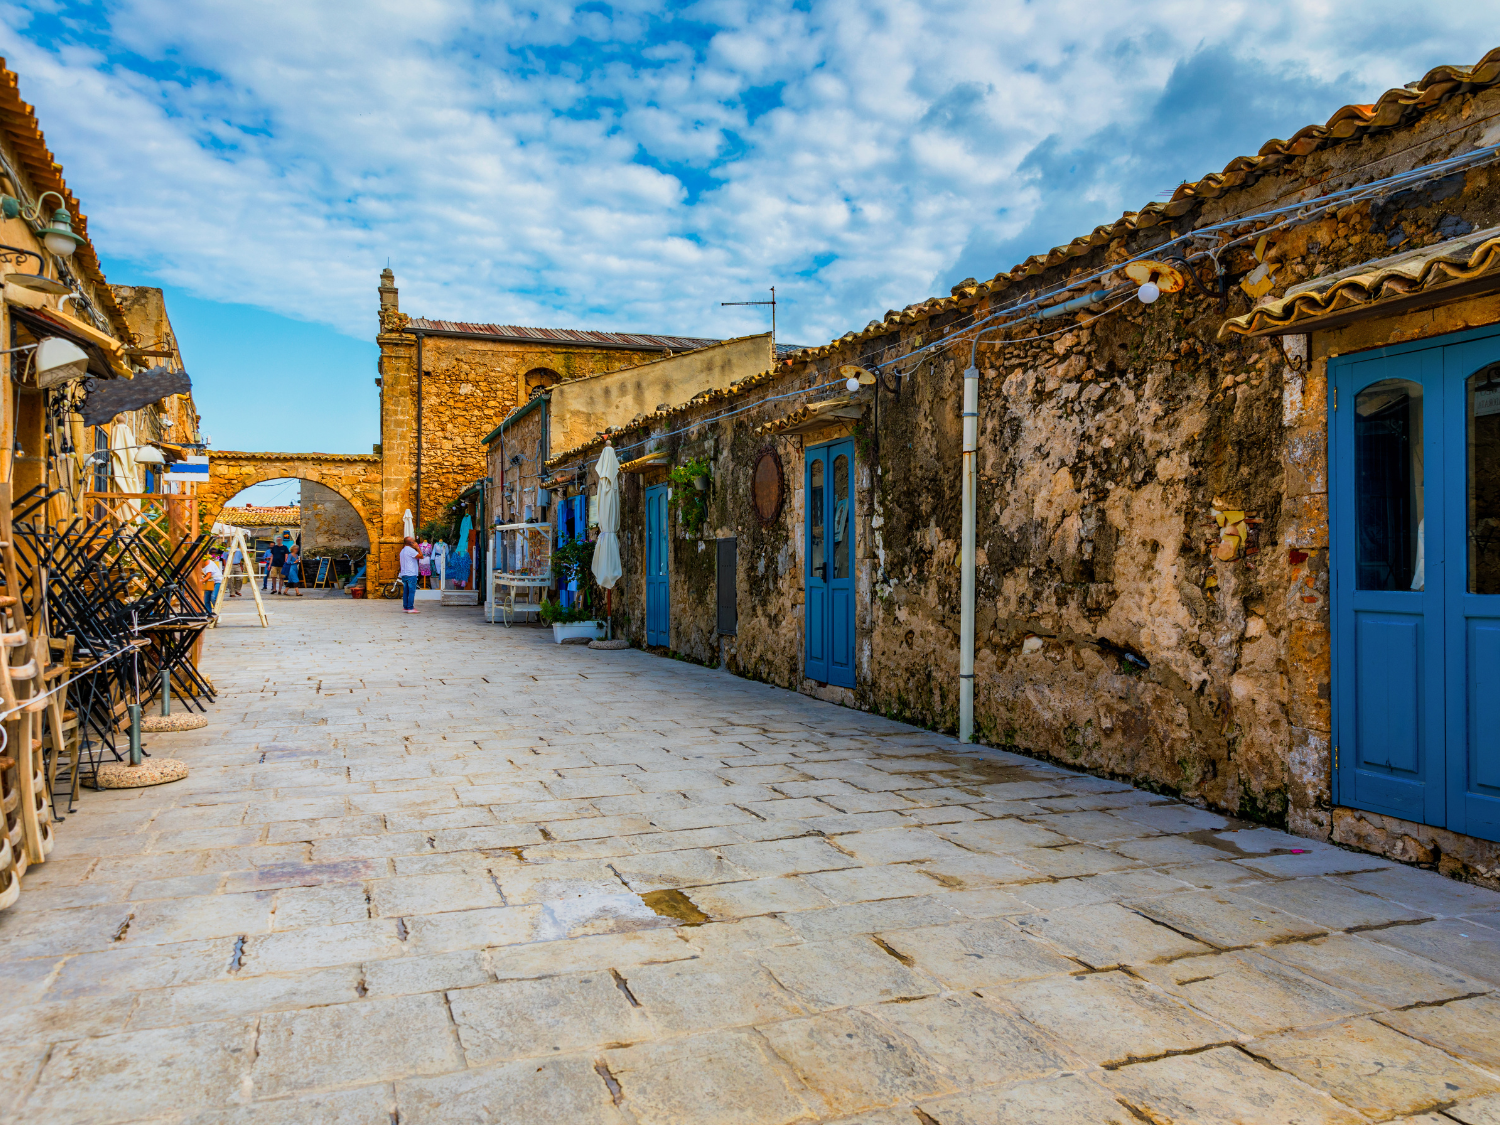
[389, 294]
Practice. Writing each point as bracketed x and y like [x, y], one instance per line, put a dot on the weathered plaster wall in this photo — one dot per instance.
[1109, 637]
[583, 407]
[329, 522]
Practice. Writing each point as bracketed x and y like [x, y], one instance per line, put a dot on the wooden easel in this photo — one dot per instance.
[248, 565]
[325, 564]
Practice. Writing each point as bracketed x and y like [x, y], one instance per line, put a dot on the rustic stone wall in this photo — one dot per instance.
[1109, 636]
[329, 522]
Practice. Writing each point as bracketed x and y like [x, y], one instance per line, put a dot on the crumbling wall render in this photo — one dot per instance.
[1109, 637]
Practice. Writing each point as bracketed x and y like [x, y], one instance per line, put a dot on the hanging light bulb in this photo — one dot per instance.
[1154, 279]
[851, 385]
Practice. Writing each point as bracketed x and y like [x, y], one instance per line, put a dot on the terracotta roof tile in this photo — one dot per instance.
[45, 174]
[288, 516]
[1399, 277]
[1352, 122]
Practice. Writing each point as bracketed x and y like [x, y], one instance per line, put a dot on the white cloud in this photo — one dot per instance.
[856, 153]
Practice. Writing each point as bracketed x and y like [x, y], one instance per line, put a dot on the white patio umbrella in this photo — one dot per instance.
[407, 530]
[606, 565]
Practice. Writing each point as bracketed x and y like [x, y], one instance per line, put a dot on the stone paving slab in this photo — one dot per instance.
[459, 874]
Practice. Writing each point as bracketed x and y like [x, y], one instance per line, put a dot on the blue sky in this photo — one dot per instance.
[630, 165]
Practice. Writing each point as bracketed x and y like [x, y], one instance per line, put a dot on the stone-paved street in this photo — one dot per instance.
[435, 872]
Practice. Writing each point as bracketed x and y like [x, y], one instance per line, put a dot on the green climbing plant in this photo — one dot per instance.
[691, 505]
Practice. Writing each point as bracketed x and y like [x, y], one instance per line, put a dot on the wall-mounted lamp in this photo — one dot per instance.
[38, 284]
[59, 361]
[856, 376]
[1154, 279]
[57, 236]
[144, 455]
[56, 360]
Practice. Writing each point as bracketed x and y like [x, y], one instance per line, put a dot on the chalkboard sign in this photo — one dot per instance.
[322, 579]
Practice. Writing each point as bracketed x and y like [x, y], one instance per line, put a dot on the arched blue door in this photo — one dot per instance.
[829, 601]
[658, 600]
[1415, 569]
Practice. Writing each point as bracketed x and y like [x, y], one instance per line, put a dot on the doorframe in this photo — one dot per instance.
[650, 494]
[1336, 362]
[825, 449]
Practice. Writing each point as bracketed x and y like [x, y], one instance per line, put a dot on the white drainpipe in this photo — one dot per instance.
[966, 627]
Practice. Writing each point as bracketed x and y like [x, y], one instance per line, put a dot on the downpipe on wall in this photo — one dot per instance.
[966, 627]
[970, 499]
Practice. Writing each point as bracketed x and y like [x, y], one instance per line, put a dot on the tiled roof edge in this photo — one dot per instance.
[1350, 122]
[242, 455]
[19, 120]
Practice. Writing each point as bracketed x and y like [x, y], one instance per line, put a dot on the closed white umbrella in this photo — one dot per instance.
[606, 565]
[406, 526]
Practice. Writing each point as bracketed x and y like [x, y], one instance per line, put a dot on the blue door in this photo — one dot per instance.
[657, 601]
[570, 527]
[829, 604]
[1472, 531]
[1415, 569]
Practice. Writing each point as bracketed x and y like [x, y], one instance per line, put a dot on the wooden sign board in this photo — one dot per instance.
[322, 579]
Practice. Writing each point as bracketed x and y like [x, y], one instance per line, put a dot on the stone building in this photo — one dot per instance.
[445, 384]
[1236, 542]
[579, 409]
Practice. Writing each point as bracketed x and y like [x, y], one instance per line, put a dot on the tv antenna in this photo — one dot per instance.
[771, 302]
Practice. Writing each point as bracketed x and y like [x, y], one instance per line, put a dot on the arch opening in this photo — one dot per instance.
[323, 518]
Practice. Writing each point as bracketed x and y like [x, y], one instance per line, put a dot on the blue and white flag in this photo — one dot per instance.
[194, 469]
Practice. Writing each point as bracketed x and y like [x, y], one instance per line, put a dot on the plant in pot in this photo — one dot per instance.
[571, 621]
[692, 506]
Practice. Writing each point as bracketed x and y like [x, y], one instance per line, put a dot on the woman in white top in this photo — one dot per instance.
[213, 578]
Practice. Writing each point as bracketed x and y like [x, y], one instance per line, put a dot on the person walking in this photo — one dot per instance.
[278, 561]
[213, 578]
[410, 573]
[236, 572]
[294, 569]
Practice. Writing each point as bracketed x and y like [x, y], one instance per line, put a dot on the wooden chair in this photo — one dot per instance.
[63, 735]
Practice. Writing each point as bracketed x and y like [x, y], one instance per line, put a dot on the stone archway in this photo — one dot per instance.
[354, 476]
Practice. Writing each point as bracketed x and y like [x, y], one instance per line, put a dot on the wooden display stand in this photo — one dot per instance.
[249, 565]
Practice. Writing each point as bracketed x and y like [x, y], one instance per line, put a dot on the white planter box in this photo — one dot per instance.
[593, 630]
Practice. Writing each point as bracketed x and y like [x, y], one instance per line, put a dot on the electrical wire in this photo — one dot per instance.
[1295, 213]
[1276, 218]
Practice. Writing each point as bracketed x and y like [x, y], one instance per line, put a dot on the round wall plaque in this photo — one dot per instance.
[768, 485]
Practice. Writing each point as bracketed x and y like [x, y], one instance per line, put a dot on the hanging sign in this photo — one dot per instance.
[192, 471]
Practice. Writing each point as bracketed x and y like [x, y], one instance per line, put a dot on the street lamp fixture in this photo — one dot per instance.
[58, 236]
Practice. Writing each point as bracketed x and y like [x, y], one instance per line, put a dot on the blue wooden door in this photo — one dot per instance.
[1388, 585]
[1415, 541]
[657, 599]
[829, 602]
[1471, 372]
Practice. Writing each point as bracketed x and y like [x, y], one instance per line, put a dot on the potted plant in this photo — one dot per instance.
[692, 508]
[570, 622]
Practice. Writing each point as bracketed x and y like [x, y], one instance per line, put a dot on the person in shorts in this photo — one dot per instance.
[278, 554]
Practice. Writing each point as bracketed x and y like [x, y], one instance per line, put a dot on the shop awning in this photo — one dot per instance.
[650, 461]
[1432, 275]
[104, 351]
[816, 415]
